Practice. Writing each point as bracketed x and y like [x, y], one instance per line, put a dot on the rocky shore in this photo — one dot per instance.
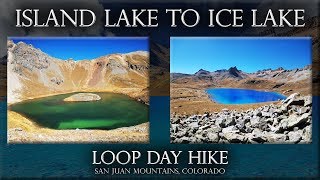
[23, 130]
[288, 121]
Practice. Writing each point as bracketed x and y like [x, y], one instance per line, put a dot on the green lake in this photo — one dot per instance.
[112, 111]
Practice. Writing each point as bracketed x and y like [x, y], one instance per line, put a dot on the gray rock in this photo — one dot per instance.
[257, 136]
[205, 116]
[308, 101]
[303, 110]
[273, 129]
[200, 137]
[290, 98]
[294, 121]
[225, 110]
[193, 125]
[294, 137]
[266, 114]
[175, 120]
[181, 133]
[306, 136]
[213, 137]
[276, 138]
[294, 99]
[255, 122]
[230, 121]
[230, 129]
[257, 113]
[214, 129]
[174, 128]
[234, 138]
[220, 122]
[205, 127]
[193, 117]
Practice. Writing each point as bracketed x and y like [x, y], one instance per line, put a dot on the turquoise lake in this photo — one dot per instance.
[112, 111]
[242, 96]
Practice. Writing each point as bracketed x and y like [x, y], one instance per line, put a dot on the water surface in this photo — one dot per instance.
[112, 111]
[242, 96]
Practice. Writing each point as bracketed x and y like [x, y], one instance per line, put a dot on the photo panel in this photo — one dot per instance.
[78, 90]
[241, 90]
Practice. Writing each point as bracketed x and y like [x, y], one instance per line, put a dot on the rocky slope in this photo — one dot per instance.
[287, 122]
[33, 73]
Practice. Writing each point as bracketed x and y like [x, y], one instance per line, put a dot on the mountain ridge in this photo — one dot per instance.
[33, 73]
[234, 72]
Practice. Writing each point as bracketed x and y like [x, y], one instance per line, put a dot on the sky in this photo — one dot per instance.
[85, 48]
[188, 55]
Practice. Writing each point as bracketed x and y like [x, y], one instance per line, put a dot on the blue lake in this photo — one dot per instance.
[242, 96]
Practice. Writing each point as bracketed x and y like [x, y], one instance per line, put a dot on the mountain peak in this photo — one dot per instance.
[279, 69]
[202, 72]
[234, 71]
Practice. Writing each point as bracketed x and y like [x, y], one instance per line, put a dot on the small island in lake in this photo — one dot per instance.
[83, 97]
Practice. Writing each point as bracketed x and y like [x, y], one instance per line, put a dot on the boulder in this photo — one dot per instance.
[275, 138]
[294, 99]
[306, 136]
[294, 121]
[193, 125]
[174, 128]
[229, 121]
[214, 129]
[257, 136]
[234, 138]
[308, 101]
[175, 120]
[213, 137]
[230, 129]
[220, 122]
[295, 136]
[255, 121]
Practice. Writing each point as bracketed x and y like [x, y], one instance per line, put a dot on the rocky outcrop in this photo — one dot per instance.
[286, 122]
[234, 72]
[83, 97]
[202, 72]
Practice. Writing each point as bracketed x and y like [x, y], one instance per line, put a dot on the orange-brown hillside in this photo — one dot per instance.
[32, 73]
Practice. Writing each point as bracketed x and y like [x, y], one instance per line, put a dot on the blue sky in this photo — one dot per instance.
[188, 55]
[85, 48]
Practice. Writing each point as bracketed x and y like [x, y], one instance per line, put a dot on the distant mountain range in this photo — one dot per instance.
[233, 73]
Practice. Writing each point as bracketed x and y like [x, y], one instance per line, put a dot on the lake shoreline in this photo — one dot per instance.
[190, 100]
